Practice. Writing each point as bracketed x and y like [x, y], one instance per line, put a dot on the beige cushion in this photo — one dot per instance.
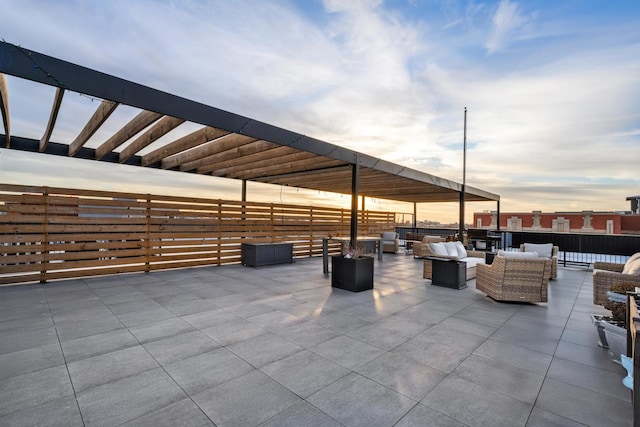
[510, 254]
[451, 250]
[632, 267]
[388, 236]
[462, 252]
[630, 261]
[472, 261]
[438, 249]
[543, 250]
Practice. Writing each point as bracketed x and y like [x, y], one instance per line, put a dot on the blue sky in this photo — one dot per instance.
[552, 87]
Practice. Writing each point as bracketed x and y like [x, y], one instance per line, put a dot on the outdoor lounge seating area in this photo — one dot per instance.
[276, 346]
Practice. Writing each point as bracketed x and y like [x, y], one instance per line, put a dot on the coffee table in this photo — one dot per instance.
[449, 273]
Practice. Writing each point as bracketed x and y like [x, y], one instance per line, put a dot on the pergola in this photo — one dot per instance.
[226, 145]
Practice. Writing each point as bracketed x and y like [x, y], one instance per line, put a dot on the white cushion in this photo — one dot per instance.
[473, 261]
[543, 250]
[451, 249]
[462, 252]
[632, 267]
[630, 261]
[388, 236]
[510, 254]
[438, 248]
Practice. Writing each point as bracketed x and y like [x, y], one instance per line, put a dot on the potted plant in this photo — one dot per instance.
[352, 271]
[611, 329]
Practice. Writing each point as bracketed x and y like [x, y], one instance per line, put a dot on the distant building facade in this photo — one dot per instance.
[564, 222]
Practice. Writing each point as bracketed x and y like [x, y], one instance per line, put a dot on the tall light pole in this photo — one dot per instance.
[464, 179]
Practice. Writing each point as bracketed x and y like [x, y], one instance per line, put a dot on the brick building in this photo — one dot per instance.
[565, 222]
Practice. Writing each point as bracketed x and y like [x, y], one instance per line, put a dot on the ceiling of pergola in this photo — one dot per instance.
[223, 144]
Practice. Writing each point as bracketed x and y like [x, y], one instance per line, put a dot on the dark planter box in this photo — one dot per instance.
[352, 274]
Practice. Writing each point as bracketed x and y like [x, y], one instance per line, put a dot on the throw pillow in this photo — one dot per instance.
[630, 261]
[438, 249]
[451, 250]
[632, 267]
[462, 252]
[543, 250]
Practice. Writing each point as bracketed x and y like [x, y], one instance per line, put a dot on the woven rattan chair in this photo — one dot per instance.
[554, 260]
[515, 279]
[607, 274]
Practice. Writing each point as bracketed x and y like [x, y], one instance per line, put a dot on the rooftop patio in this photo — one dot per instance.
[276, 346]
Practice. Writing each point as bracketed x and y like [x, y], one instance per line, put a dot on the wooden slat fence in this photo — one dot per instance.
[54, 233]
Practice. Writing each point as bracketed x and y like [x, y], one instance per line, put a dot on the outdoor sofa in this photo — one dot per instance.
[452, 250]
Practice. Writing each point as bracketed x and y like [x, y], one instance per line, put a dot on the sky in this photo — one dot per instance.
[552, 89]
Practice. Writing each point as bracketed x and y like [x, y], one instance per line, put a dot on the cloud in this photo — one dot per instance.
[551, 95]
[506, 21]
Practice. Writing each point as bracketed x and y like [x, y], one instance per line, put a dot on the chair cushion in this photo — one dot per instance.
[511, 254]
[388, 236]
[438, 249]
[543, 250]
[632, 267]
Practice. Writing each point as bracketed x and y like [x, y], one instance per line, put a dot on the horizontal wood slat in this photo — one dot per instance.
[49, 233]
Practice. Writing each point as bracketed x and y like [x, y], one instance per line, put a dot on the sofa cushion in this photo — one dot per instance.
[462, 252]
[543, 250]
[451, 250]
[511, 254]
[438, 249]
[632, 267]
[472, 261]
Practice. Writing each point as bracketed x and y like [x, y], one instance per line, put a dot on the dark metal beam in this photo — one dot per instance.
[355, 177]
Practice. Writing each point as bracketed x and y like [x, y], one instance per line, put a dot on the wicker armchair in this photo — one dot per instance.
[515, 279]
[607, 274]
[554, 260]
[421, 249]
[390, 241]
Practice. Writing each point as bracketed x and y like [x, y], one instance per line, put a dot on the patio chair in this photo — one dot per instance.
[515, 278]
[607, 274]
[390, 241]
[547, 250]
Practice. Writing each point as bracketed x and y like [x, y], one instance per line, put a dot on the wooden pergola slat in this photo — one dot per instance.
[271, 153]
[98, 118]
[57, 101]
[227, 154]
[4, 109]
[224, 142]
[199, 137]
[139, 122]
[157, 131]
